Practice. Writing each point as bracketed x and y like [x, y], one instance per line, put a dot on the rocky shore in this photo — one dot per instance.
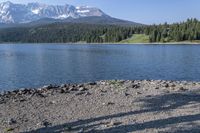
[103, 106]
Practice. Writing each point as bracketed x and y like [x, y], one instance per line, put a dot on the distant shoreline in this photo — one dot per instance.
[171, 43]
[117, 43]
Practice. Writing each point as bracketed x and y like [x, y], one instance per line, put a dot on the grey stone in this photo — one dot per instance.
[2, 101]
[64, 90]
[136, 86]
[173, 85]
[92, 83]
[182, 89]
[81, 130]
[43, 95]
[22, 100]
[126, 94]
[82, 89]
[73, 88]
[87, 94]
[63, 86]
[44, 123]
[166, 85]
[47, 87]
[108, 103]
[11, 121]
[138, 93]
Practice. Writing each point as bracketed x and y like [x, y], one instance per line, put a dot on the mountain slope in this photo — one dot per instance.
[20, 13]
[103, 20]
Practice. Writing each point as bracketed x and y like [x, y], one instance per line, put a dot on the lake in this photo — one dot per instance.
[35, 65]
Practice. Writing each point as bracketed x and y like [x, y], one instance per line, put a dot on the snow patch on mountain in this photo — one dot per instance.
[36, 11]
[20, 13]
[83, 11]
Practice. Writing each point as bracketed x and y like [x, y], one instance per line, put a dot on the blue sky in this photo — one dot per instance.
[143, 11]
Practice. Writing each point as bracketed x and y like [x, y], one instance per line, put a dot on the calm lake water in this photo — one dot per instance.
[34, 65]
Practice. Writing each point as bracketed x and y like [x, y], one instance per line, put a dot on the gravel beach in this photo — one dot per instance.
[105, 106]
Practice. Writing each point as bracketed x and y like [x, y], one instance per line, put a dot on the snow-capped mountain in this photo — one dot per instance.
[21, 13]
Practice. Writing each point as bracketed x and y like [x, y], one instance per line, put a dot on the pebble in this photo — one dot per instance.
[92, 83]
[182, 89]
[22, 100]
[103, 91]
[166, 85]
[2, 101]
[63, 86]
[113, 123]
[82, 89]
[138, 93]
[148, 96]
[173, 85]
[47, 87]
[73, 88]
[11, 121]
[127, 94]
[108, 103]
[52, 102]
[44, 123]
[43, 95]
[87, 94]
[81, 130]
[80, 85]
[166, 91]
[64, 90]
[135, 86]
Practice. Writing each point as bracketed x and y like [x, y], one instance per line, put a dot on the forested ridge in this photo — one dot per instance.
[184, 31]
[95, 33]
[68, 32]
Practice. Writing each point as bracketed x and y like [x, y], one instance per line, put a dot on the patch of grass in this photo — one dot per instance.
[114, 82]
[9, 129]
[195, 41]
[137, 38]
[184, 42]
[117, 84]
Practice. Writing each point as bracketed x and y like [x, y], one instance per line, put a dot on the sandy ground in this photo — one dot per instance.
[104, 106]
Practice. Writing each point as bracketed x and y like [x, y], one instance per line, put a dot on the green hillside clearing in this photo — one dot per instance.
[137, 38]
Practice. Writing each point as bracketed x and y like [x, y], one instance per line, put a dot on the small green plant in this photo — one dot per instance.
[116, 84]
[9, 129]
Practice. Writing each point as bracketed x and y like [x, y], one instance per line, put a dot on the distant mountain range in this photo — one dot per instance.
[36, 13]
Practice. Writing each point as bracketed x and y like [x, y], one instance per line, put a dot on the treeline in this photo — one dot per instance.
[185, 31]
[93, 33]
[68, 32]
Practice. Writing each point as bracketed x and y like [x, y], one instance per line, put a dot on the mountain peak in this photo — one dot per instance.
[7, 2]
[20, 13]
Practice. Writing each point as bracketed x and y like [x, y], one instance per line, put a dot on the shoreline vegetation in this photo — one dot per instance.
[103, 106]
[188, 31]
[114, 43]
